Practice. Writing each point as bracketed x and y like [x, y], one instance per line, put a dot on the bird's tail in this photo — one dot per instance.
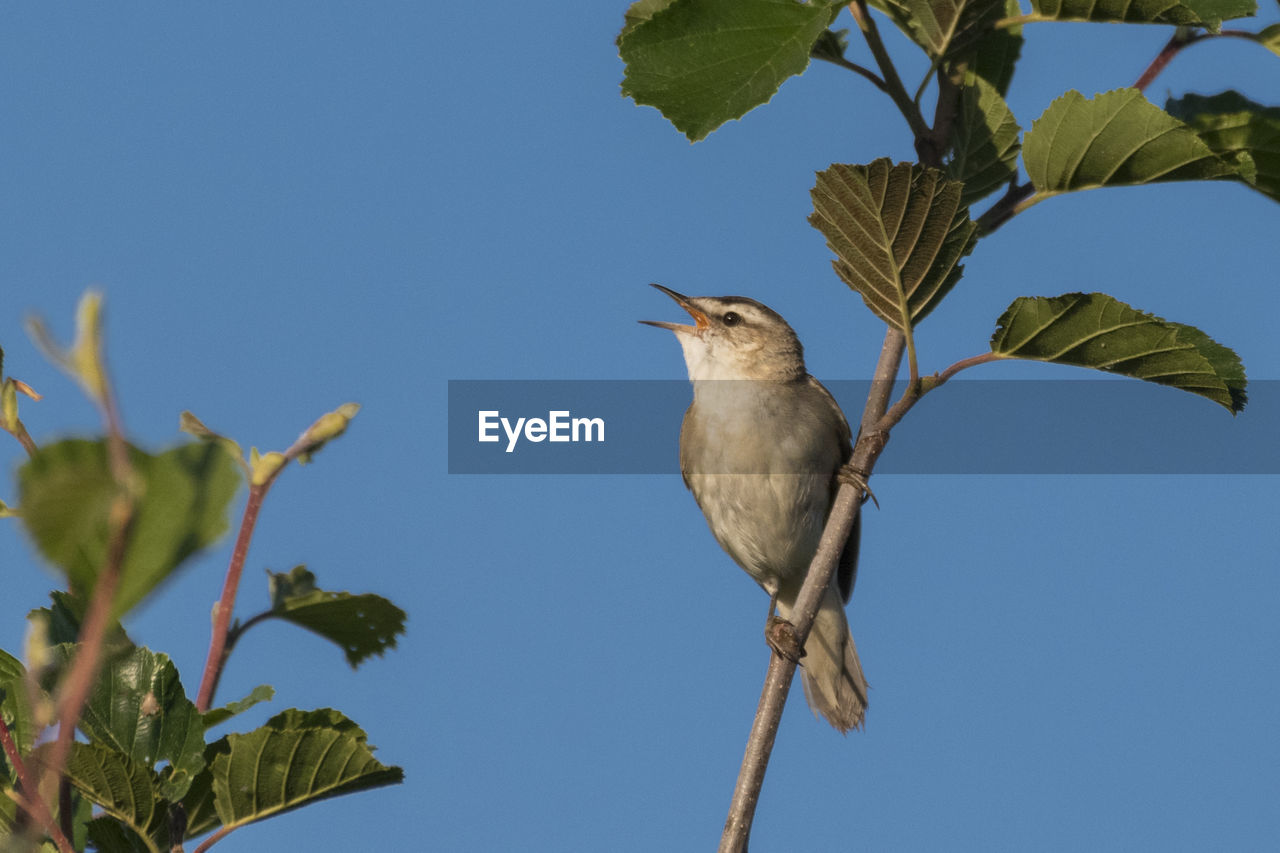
[830, 670]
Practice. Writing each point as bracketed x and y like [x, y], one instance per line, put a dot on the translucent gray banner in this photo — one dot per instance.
[964, 427]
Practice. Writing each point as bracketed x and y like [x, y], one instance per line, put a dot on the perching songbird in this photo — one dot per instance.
[760, 448]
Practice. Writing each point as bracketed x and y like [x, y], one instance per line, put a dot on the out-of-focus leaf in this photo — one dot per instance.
[67, 490]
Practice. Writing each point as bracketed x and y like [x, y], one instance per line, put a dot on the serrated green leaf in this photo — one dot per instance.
[67, 490]
[202, 816]
[62, 624]
[138, 708]
[14, 706]
[1206, 13]
[363, 625]
[217, 716]
[1117, 138]
[996, 52]
[705, 62]
[116, 783]
[277, 768]
[1238, 130]
[111, 835]
[898, 232]
[1099, 331]
[984, 142]
[947, 28]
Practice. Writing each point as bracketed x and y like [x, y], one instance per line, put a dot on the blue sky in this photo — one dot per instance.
[295, 206]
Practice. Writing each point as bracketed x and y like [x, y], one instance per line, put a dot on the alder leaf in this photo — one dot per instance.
[1099, 331]
[898, 232]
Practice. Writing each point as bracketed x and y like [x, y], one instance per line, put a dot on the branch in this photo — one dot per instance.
[77, 684]
[1009, 206]
[777, 684]
[893, 83]
[264, 473]
[856, 69]
[29, 797]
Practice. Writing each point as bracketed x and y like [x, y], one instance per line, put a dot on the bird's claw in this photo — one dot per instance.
[857, 478]
[781, 637]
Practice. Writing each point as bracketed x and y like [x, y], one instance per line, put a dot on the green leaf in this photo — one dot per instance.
[62, 624]
[1098, 331]
[116, 783]
[217, 716]
[996, 52]
[984, 142]
[111, 835]
[1206, 13]
[946, 28]
[1269, 38]
[1117, 138]
[67, 491]
[705, 62]
[14, 705]
[363, 625]
[293, 760]
[898, 232]
[138, 708]
[202, 816]
[1238, 130]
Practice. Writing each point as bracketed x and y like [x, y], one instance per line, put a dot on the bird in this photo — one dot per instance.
[761, 447]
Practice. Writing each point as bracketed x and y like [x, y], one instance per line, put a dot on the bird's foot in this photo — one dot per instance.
[857, 478]
[781, 637]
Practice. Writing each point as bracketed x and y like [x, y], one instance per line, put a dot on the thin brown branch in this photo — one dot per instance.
[777, 685]
[1009, 205]
[858, 69]
[218, 649]
[893, 83]
[29, 797]
[77, 684]
[216, 660]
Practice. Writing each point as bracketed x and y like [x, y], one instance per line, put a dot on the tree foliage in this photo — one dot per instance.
[116, 521]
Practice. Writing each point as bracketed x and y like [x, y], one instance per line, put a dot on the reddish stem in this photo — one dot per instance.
[30, 796]
[226, 604]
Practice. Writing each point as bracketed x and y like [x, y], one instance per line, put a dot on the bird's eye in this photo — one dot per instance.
[731, 319]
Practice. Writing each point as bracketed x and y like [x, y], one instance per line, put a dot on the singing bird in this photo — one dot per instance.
[760, 448]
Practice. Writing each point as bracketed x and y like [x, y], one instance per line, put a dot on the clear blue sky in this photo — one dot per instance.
[293, 206]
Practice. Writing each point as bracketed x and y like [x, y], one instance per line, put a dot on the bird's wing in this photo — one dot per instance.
[847, 571]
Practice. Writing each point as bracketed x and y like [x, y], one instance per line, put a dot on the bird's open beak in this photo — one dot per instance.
[699, 318]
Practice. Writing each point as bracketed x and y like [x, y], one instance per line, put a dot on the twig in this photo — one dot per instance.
[309, 442]
[222, 833]
[218, 651]
[77, 684]
[894, 88]
[858, 69]
[29, 797]
[777, 685]
[1009, 206]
